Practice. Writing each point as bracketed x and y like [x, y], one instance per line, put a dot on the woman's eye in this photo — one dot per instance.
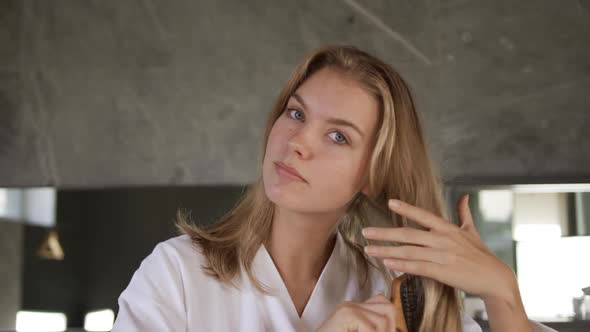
[339, 138]
[298, 115]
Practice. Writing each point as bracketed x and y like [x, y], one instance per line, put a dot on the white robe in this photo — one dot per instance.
[170, 292]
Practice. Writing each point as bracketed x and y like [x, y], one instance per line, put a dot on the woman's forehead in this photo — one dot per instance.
[329, 94]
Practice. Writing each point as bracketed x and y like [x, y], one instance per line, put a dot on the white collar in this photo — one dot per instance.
[333, 284]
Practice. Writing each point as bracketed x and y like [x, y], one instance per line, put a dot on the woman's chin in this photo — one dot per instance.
[284, 198]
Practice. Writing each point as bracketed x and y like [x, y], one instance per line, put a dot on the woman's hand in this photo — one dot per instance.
[454, 255]
[377, 314]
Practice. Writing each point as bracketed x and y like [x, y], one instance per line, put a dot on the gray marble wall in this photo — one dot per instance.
[12, 150]
[113, 93]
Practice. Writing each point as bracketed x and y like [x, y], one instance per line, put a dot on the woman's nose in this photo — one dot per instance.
[299, 144]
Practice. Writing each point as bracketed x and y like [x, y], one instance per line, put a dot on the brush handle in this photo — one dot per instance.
[396, 299]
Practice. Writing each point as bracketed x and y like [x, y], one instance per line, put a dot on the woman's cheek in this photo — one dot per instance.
[279, 134]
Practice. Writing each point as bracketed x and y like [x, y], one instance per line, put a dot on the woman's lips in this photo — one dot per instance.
[287, 171]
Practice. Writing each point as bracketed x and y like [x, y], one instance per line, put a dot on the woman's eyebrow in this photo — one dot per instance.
[336, 121]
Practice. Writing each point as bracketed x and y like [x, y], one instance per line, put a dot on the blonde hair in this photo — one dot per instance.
[399, 167]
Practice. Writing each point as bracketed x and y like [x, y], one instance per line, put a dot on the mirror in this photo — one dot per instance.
[542, 231]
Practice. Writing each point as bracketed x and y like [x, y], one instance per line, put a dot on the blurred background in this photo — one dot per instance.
[114, 114]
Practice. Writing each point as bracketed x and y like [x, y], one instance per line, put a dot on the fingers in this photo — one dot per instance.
[409, 253]
[376, 315]
[382, 315]
[465, 217]
[402, 234]
[367, 322]
[427, 269]
[379, 298]
[420, 216]
[364, 320]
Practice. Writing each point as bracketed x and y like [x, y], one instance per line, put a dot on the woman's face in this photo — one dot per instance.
[325, 134]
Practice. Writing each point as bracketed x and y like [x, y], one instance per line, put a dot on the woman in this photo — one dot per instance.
[290, 256]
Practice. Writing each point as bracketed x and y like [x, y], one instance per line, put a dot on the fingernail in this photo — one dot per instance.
[394, 203]
[366, 232]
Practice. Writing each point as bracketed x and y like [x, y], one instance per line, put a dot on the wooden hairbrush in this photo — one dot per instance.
[406, 297]
[406, 290]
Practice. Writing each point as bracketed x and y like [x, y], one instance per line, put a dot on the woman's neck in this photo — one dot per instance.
[301, 244]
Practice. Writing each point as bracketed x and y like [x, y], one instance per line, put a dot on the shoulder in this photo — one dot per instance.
[180, 247]
[178, 255]
[168, 262]
[155, 298]
[181, 244]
